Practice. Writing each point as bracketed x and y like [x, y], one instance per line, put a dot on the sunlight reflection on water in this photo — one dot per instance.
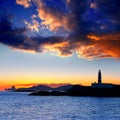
[20, 106]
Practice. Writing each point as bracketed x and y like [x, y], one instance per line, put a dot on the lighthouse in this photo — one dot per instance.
[99, 84]
[99, 77]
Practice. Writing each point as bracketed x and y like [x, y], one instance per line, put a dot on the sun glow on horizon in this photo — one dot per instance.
[19, 83]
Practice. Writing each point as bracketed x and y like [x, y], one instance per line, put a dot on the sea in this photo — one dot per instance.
[21, 106]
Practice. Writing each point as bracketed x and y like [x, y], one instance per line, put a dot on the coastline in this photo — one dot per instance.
[81, 91]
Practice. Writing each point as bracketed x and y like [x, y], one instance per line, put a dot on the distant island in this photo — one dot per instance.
[98, 89]
[40, 88]
[11, 89]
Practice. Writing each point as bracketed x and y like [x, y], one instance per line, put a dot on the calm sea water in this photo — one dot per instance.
[20, 106]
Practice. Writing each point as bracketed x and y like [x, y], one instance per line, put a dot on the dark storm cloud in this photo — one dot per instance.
[110, 9]
[97, 37]
[78, 16]
[15, 38]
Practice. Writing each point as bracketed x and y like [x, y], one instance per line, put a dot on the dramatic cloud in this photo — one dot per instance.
[25, 3]
[15, 38]
[51, 18]
[77, 15]
[93, 31]
[34, 26]
[109, 45]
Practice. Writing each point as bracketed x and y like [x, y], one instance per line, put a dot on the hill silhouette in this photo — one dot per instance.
[44, 88]
[34, 88]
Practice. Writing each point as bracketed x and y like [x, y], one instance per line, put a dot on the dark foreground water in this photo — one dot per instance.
[20, 106]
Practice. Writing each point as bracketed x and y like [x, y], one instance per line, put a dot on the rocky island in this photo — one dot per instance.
[98, 89]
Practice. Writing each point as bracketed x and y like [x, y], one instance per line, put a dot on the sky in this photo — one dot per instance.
[59, 42]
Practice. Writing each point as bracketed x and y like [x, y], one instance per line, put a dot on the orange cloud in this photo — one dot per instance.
[50, 18]
[110, 44]
[106, 45]
[93, 37]
[86, 45]
[34, 26]
[58, 48]
[93, 5]
[25, 3]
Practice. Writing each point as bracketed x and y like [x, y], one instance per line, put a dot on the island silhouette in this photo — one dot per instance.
[98, 89]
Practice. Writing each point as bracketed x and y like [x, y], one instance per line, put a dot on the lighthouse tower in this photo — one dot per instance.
[99, 77]
[99, 84]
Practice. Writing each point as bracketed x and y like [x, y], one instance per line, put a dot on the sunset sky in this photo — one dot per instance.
[59, 41]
